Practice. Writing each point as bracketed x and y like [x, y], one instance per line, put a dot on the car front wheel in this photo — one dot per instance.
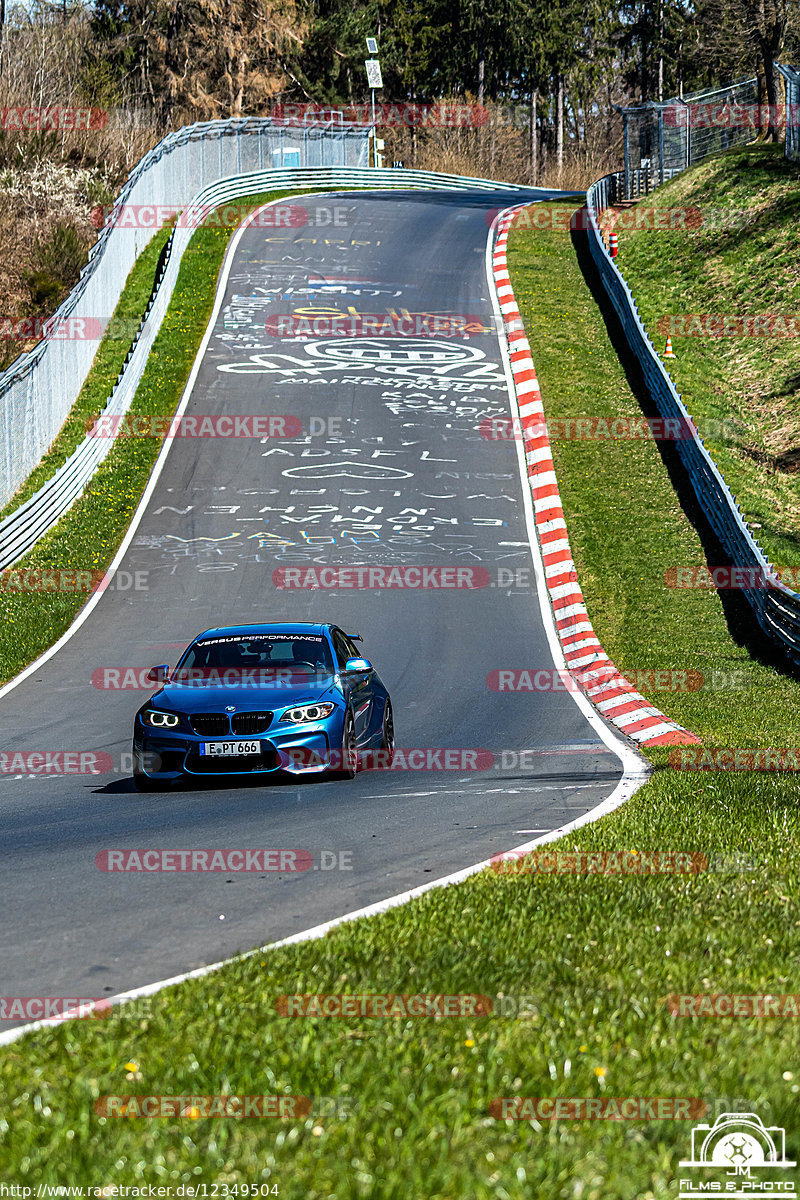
[387, 733]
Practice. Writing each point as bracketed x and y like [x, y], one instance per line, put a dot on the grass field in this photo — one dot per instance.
[741, 258]
[583, 962]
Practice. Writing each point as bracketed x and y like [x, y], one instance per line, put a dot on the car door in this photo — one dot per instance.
[358, 688]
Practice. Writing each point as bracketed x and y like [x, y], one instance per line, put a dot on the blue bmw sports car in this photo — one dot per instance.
[259, 700]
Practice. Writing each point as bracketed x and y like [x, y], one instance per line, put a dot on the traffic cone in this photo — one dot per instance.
[612, 245]
[668, 351]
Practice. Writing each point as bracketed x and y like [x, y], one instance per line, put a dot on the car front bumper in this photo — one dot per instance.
[308, 749]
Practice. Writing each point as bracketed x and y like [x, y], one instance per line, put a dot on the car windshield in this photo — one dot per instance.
[269, 658]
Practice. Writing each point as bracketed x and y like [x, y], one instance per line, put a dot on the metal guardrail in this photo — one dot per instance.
[23, 527]
[39, 389]
[776, 607]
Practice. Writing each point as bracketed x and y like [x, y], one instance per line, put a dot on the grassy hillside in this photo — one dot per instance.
[741, 258]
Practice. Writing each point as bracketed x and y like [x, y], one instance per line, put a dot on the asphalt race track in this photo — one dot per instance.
[390, 469]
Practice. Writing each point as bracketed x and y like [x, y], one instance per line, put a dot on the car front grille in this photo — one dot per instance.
[251, 722]
[210, 724]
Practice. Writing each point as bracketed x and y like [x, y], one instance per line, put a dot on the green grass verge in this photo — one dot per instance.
[741, 259]
[626, 526]
[88, 536]
[595, 955]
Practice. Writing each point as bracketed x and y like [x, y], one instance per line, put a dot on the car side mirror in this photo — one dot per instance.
[357, 666]
[158, 674]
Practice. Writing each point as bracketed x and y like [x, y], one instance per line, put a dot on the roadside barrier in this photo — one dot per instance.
[776, 607]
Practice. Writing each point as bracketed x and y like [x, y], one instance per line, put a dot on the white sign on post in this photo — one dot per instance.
[374, 77]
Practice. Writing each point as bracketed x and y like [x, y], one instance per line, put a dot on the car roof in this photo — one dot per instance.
[287, 627]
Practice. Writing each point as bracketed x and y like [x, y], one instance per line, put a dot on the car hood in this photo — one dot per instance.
[212, 697]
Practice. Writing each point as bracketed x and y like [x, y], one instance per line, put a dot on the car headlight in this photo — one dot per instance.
[160, 720]
[308, 712]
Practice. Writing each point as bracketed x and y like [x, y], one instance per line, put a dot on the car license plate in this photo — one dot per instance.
[230, 749]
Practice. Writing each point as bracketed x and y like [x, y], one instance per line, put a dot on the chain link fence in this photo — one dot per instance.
[661, 139]
[39, 389]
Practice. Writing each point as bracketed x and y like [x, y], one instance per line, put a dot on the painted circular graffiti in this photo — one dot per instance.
[393, 350]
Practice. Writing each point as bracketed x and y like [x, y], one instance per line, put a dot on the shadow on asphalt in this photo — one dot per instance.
[126, 787]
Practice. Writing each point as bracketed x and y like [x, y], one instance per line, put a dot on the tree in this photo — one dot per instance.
[766, 23]
[198, 59]
[747, 37]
